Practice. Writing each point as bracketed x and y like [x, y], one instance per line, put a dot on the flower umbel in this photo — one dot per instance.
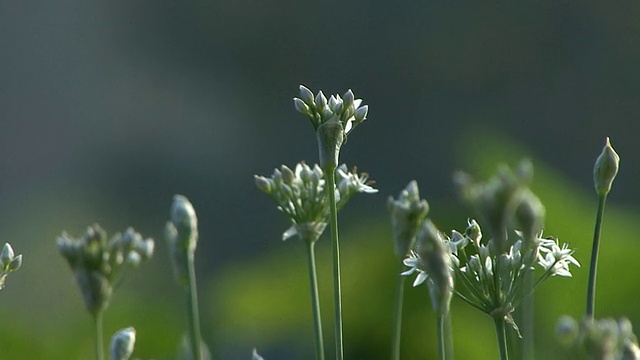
[99, 263]
[300, 194]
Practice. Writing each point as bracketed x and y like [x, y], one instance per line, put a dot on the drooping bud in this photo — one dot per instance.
[606, 169]
[437, 264]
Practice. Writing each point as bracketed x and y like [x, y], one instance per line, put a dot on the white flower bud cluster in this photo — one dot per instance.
[98, 262]
[9, 263]
[347, 109]
[300, 193]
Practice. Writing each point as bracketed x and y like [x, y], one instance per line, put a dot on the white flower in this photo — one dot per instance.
[415, 264]
[556, 259]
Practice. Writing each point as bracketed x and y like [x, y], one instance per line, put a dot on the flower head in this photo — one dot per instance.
[99, 262]
[407, 213]
[300, 195]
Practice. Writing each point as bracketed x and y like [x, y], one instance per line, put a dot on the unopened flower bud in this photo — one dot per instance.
[122, 344]
[320, 101]
[606, 169]
[348, 98]
[361, 113]
[301, 107]
[436, 259]
[6, 255]
[306, 95]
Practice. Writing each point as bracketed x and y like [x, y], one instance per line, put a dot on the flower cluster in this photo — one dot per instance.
[599, 339]
[9, 263]
[98, 262]
[346, 109]
[494, 282]
[300, 193]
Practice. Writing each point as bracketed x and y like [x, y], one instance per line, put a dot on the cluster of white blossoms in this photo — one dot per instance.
[494, 281]
[348, 110]
[300, 193]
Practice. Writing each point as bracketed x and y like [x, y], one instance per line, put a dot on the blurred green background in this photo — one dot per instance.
[107, 109]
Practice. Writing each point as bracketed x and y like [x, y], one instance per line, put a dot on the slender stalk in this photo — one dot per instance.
[313, 282]
[98, 324]
[593, 268]
[192, 309]
[501, 335]
[442, 344]
[337, 292]
[397, 317]
[448, 337]
[528, 317]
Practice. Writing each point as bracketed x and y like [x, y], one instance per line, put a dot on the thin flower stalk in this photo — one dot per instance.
[604, 172]
[181, 233]
[301, 194]
[99, 265]
[332, 119]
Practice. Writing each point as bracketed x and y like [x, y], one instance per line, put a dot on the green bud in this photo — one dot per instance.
[530, 217]
[122, 344]
[437, 263]
[330, 139]
[183, 217]
[96, 289]
[407, 213]
[606, 169]
[348, 98]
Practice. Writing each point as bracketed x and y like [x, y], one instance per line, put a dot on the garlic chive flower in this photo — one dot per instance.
[407, 213]
[598, 339]
[333, 119]
[99, 263]
[474, 264]
[300, 195]
[347, 109]
[9, 263]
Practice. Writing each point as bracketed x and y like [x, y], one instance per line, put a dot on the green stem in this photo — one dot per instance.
[192, 309]
[313, 281]
[337, 292]
[441, 338]
[98, 323]
[501, 335]
[397, 317]
[527, 316]
[593, 269]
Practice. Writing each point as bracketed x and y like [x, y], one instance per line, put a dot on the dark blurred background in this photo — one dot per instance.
[107, 109]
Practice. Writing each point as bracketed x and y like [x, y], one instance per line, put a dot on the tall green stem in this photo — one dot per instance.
[442, 344]
[192, 309]
[501, 335]
[593, 268]
[397, 317]
[315, 300]
[98, 324]
[528, 316]
[337, 292]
